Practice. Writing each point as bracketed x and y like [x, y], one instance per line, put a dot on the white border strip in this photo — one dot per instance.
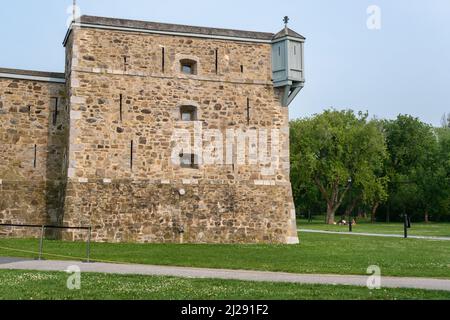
[33, 78]
[288, 38]
[172, 33]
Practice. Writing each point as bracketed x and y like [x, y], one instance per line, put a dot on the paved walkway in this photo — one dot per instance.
[374, 234]
[390, 282]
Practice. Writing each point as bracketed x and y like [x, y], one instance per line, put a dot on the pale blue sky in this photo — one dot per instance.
[402, 68]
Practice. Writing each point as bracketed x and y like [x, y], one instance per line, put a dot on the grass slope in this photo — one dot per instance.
[27, 285]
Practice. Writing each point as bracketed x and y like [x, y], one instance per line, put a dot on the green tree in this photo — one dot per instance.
[443, 137]
[337, 151]
[415, 166]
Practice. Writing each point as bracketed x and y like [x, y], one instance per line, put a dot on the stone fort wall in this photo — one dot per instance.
[33, 130]
[117, 105]
[113, 144]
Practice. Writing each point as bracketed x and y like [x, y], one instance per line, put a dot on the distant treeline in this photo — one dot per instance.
[343, 163]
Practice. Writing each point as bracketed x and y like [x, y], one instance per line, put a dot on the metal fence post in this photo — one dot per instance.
[88, 253]
[405, 226]
[45, 227]
[41, 242]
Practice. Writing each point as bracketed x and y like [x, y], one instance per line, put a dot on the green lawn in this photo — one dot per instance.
[317, 253]
[417, 229]
[27, 285]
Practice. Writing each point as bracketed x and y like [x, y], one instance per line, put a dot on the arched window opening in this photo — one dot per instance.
[188, 66]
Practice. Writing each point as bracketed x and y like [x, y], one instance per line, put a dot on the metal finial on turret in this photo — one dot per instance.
[286, 21]
[74, 10]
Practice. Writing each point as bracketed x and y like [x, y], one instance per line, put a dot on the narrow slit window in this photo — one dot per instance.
[217, 61]
[125, 63]
[131, 154]
[35, 156]
[242, 68]
[279, 51]
[55, 111]
[121, 107]
[248, 111]
[163, 59]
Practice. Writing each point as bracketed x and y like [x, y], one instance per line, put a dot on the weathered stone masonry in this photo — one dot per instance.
[104, 154]
[33, 127]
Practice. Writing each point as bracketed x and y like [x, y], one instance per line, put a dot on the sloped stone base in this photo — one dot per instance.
[123, 211]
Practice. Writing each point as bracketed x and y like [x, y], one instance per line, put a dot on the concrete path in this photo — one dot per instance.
[388, 282]
[374, 234]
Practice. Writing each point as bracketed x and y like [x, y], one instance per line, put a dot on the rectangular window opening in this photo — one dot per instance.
[242, 68]
[188, 66]
[188, 113]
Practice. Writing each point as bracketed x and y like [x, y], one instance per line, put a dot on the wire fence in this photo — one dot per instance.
[43, 228]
